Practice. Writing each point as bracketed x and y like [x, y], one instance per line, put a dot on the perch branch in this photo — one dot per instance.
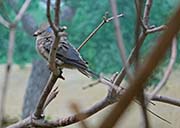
[105, 20]
[52, 54]
[145, 71]
[39, 109]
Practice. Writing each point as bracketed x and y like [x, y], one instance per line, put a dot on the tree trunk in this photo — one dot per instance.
[36, 83]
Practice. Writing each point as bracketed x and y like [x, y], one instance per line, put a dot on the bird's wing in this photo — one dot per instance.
[69, 55]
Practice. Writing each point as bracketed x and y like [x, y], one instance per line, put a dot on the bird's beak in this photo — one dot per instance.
[35, 34]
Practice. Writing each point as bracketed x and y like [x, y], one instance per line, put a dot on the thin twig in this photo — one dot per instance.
[91, 85]
[49, 15]
[4, 22]
[156, 29]
[57, 12]
[51, 97]
[145, 120]
[147, 12]
[120, 40]
[168, 70]
[22, 10]
[105, 20]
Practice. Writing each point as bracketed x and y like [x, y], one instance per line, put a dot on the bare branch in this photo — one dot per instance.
[156, 29]
[147, 12]
[150, 63]
[120, 40]
[39, 109]
[168, 70]
[105, 20]
[21, 11]
[49, 16]
[52, 54]
[130, 60]
[51, 97]
[91, 85]
[4, 22]
[166, 99]
[57, 12]
[145, 121]
[8, 70]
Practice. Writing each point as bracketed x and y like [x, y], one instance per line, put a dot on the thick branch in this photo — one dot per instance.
[39, 109]
[74, 118]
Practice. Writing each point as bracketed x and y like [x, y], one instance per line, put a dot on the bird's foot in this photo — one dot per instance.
[60, 74]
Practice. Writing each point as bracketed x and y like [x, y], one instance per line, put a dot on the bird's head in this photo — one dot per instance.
[43, 31]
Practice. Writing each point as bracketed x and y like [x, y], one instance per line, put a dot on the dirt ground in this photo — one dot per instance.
[71, 91]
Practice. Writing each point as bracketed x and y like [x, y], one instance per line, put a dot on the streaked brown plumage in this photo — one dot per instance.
[66, 57]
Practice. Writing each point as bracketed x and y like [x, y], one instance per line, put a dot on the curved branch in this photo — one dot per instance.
[168, 70]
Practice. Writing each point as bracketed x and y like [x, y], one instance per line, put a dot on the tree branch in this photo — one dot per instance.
[156, 29]
[39, 109]
[168, 70]
[147, 12]
[120, 40]
[52, 54]
[167, 100]
[4, 22]
[21, 11]
[105, 20]
[150, 63]
[57, 12]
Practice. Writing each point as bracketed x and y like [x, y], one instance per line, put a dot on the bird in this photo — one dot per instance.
[66, 56]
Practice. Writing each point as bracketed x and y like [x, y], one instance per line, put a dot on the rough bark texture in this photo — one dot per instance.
[37, 81]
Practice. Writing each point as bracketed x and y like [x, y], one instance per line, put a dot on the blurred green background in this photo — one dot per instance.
[82, 17]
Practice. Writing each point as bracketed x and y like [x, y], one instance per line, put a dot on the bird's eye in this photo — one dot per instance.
[48, 29]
